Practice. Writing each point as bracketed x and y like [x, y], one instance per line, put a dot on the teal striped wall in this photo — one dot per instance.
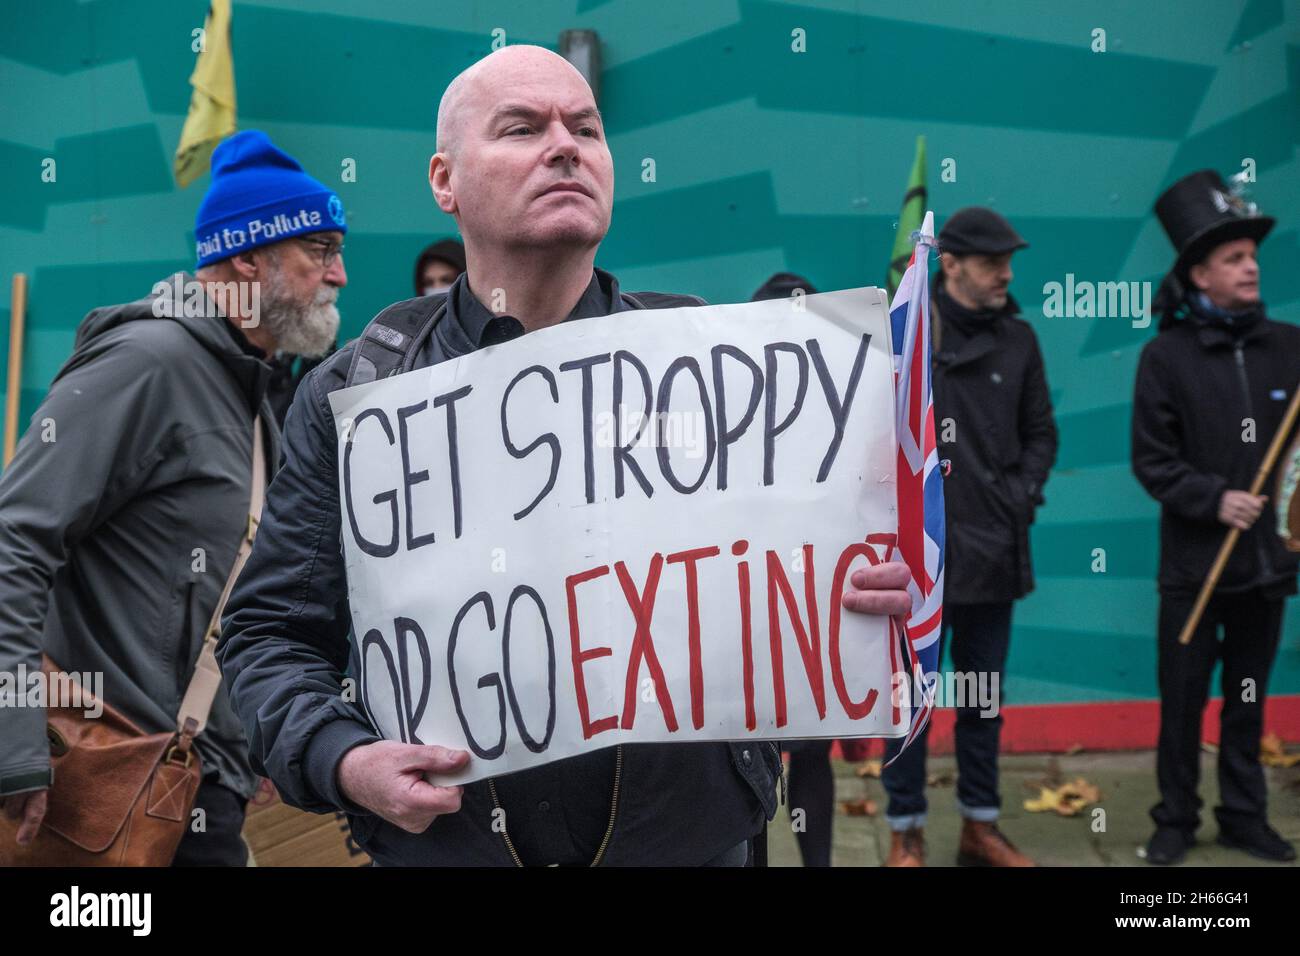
[765, 159]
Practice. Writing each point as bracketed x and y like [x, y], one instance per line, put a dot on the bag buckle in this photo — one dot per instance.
[186, 752]
[182, 744]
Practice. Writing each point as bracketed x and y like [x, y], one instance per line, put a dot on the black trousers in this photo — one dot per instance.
[979, 637]
[812, 790]
[1251, 623]
[220, 843]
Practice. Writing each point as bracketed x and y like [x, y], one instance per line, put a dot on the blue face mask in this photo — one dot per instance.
[431, 289]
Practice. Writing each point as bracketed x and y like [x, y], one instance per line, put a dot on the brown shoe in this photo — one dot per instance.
[983, 844]
[907, 848]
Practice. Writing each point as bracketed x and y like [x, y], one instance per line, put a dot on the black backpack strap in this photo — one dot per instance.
[388, 345]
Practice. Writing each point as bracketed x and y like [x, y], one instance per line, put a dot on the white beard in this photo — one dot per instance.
[309, 329]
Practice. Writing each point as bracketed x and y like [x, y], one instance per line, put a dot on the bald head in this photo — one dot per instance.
[499, 68]
[522, 159]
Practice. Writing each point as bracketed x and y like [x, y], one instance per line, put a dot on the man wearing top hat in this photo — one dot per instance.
[1211, 391]
[994, 422]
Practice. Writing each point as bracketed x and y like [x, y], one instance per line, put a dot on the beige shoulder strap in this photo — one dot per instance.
[197, 703]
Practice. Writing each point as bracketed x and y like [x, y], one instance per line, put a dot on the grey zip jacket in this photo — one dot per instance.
[120, 517]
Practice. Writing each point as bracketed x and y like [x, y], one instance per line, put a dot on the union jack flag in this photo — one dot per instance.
[920, 482]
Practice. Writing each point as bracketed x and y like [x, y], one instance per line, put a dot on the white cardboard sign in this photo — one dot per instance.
[632, 528]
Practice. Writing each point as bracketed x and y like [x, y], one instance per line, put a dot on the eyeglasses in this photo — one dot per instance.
[329, 250]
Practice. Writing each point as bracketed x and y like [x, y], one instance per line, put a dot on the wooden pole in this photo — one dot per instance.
[1230, 542]
[14, 384]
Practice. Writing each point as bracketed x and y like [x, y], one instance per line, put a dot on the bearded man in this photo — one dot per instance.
[128, 496]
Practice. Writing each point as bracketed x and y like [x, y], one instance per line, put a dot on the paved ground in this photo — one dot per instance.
[1128, 789]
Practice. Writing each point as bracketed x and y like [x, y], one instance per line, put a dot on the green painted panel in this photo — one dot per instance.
[117, 162]
[767, 159]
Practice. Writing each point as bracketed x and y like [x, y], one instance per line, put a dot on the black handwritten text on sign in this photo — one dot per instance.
[624, 529]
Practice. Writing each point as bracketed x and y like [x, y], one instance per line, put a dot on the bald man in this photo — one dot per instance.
[523, 166]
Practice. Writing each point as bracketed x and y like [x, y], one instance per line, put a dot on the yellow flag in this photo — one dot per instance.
[212, 105]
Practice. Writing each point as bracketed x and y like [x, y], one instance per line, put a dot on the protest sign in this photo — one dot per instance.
[280, 835]
[633, 528]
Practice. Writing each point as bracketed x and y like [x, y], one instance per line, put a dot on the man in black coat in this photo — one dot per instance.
[1212, 388]
[993, 419]
[523, 166]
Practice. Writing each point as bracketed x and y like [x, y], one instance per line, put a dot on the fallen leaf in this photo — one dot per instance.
[1074, 749]
[1272, 752]
[859, 808]
[870, 768]
[943, 779]
[1082, 788]
[1066, 800]
[1047, 800]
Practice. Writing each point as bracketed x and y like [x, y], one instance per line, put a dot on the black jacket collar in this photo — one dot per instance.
[984, 339]
[471, 325]
[1218, 336]
[1212, 332]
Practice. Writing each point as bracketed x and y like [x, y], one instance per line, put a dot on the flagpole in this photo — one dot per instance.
[915, 335]
[927, 232]
[923, 241]
[14, 384]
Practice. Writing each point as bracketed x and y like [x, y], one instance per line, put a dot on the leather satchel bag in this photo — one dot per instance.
[120, 796]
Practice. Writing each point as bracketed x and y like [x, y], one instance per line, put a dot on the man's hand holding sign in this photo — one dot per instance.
[652, 538]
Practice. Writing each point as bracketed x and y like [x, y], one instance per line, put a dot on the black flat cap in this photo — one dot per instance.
[978, 230]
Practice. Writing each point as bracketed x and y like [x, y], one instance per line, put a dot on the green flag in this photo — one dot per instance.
[909, 220]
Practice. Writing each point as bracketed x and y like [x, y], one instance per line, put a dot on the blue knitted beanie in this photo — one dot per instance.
[259, 195]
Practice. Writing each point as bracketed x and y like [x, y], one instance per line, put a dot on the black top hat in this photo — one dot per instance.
[1200, 212]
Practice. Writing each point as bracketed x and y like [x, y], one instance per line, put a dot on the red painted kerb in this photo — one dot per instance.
[1109, 725]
